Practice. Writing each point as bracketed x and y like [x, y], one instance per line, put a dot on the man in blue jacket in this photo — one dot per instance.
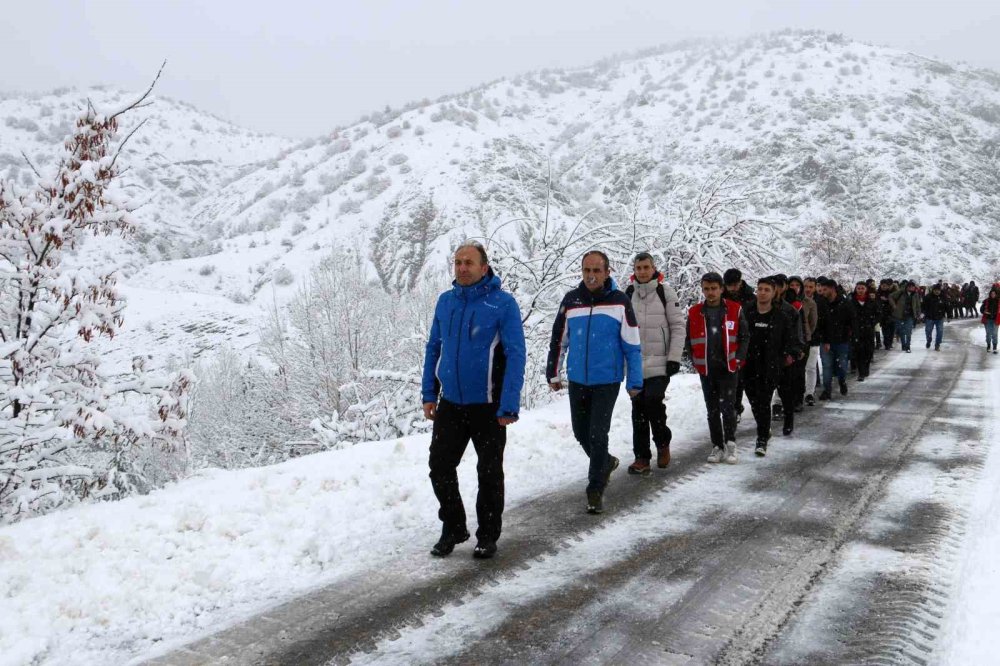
[597, 330]
[473, 374]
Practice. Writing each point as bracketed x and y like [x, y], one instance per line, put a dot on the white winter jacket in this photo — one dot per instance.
[661, 326]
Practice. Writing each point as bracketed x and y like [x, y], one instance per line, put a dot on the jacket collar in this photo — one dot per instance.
[489, 282]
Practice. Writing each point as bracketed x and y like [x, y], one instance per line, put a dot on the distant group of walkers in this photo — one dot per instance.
[777, 344]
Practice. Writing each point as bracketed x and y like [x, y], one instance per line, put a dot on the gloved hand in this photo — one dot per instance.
[673, 367]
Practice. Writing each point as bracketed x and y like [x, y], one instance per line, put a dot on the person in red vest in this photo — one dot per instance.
[717, 344]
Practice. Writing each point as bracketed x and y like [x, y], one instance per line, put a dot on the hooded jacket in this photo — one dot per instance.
[899, 303]
[599, 336]
[661, 324]
[476, 353]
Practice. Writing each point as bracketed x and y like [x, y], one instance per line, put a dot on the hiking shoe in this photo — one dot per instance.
[612, 466]
[448, 541]
[937, 347]
[717, 454]
[662, 456]
[907, 350]
[825, 395]
[595, 502]
[777, 410]
[485, 549]
[640, 466]
[843, 387]
[789, 427]
[761, 449]
[810, 400]
[928, 344]
[731, 456]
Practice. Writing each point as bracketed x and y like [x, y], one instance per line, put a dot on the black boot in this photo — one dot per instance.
[843, 387]
[485, 549]
[449, 539]
[789, 425]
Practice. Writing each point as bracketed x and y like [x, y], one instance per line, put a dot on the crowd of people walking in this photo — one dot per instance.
[779, 343]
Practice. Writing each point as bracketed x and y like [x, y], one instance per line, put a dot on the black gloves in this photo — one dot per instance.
[673, 367]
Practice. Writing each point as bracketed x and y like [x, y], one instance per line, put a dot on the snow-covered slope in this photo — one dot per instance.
[821, 125]
[818, 125]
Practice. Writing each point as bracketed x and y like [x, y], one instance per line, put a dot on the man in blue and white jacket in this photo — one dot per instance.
[473, 374]
[597, 330]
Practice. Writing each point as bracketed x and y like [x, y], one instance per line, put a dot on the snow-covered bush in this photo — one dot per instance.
[283, 277]
[236, 417]
[329, 348]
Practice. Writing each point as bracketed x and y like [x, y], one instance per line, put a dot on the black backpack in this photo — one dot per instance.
[659, 292]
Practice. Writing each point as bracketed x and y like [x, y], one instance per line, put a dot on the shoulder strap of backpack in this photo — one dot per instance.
[662, 295]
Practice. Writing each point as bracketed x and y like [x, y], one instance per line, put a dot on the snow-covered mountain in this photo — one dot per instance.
[817, 125]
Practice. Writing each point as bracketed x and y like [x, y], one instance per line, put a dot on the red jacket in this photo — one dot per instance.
[698, 334]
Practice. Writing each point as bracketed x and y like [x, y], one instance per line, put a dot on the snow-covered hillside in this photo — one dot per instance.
[814, 124]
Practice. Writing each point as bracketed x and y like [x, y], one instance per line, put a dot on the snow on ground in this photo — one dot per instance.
[970, 639]
[102, 583]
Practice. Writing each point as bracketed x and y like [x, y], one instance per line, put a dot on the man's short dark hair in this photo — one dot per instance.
[712, 276]
[478, 246]
[732, 276]
[767, 279]
[644, 256]
[780, 280]
[607, 262]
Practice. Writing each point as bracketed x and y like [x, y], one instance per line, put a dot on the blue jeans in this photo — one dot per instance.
[991, 333]
[837, 355]
[905, 331]
[590, 409]
[937, 327]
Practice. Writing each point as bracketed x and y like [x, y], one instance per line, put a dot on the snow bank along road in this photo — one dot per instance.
[841, 546]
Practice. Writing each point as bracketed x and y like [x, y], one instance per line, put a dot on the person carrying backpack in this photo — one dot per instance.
[661, 333]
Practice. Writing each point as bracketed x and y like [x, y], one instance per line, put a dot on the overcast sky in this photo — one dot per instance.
[300, 67]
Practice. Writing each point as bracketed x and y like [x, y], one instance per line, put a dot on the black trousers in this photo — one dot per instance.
[864, 349]
[719, 390]
[888, 327]
[590, 410]
[454, 426]
[759, 392]
[649, 413]
[792, 387]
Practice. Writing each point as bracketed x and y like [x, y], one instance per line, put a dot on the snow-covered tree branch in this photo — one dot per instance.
[68, 429]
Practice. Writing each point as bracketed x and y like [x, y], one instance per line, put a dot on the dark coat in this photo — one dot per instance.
[839, 324]
[780, 330]
[934, 307]
[865, 316]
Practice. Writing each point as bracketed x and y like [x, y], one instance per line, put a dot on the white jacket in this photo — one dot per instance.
[661, 326]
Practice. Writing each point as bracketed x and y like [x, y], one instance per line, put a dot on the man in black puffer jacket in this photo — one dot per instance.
[774, 346]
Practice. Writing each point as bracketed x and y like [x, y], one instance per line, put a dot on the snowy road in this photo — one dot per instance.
[838, 547]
